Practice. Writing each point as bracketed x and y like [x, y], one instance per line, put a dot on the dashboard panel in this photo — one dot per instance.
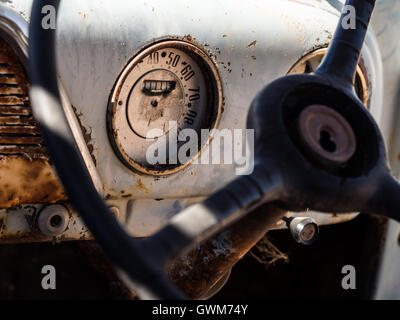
[109, 49]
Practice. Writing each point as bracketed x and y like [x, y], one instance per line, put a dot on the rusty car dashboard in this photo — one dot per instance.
[104, 49]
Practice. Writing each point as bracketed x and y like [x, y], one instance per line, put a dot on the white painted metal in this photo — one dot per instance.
[252, 44]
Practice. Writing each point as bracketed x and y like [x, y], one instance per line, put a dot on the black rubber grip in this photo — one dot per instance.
[344, 52]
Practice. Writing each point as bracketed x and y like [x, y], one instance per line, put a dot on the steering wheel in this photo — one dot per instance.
[316, 147]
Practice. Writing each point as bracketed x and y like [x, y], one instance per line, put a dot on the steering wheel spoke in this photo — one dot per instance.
[201, 221]
[301, 163]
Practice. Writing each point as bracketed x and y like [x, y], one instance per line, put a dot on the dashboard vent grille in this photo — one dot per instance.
[19, 133]
[26, 174]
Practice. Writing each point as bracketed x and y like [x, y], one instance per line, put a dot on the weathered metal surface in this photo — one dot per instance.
[20, 224]
[249, 50]
[26, 175]
[17, 126]
[249, 53]
[198, 271]
[21, 147]
[23, 180]
[91, 68]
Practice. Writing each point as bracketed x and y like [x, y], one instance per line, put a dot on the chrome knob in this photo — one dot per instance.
[303, 229]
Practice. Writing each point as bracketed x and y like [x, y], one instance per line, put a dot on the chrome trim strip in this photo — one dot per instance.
[14, 27]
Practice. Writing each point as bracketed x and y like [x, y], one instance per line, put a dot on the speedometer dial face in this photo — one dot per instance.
[167, 88]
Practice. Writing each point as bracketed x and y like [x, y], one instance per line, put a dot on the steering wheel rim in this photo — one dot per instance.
[141, 262]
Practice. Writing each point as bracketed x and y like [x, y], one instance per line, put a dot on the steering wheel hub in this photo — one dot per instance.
[327, 133]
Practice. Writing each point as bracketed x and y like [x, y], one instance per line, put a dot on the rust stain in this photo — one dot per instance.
[19, 134]
[188, 37]
[26, 181]
[127, 196]
[142, 187]
[198, 270]
[252, 44]
[34, 236]
[26, 175]
[87, 136]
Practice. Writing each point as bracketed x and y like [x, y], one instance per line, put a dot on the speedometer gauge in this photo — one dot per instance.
[170, 86]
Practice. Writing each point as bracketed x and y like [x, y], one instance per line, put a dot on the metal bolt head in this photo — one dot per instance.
[304, 230]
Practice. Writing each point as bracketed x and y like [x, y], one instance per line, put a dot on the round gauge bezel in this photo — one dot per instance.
[214, 103]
